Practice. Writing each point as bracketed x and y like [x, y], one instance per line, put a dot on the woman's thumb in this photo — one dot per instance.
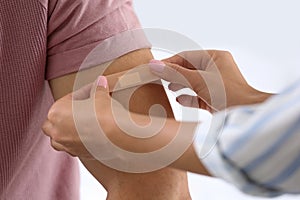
[102, 83]
[100, 86]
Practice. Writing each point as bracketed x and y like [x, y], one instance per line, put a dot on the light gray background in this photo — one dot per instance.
[263, 36]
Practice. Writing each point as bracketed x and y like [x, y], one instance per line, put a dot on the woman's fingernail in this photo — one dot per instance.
[158, 62]
[102, 81]
[157, 65]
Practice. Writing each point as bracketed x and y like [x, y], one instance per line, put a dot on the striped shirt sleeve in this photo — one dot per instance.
[257, 147]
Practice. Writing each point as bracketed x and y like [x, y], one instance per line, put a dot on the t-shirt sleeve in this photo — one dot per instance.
[76, 28]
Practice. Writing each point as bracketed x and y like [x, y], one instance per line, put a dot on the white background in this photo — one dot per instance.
[263, 36]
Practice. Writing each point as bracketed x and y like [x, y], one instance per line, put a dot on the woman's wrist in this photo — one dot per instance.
[246, 96]
[259, 96]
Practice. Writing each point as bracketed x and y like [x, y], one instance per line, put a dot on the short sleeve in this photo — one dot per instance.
[76, 27]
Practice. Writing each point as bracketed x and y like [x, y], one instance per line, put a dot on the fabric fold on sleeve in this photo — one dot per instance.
[76, 28]
[96, 53]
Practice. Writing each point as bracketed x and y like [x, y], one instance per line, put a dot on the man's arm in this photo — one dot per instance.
[63, 85]
[168, 180]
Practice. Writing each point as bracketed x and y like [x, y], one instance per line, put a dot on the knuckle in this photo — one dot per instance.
[56, 116]
[52, 114]
[45, 127]
[176, 68]
[222, 54]
[184, 54]
[56, 111]
[226, 54]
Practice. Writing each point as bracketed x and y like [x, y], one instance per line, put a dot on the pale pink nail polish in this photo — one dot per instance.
[158, 62]
[102, 81]
[157, 65]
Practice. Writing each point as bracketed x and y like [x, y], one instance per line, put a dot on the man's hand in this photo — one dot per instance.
[212, 74]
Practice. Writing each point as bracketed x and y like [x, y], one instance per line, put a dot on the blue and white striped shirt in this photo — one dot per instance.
[257, 147]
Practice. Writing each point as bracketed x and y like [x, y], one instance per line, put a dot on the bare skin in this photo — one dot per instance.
[207, 72]
[163, 184]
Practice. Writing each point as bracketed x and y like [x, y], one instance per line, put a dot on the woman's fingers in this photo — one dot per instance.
[179, 60]
[47, 128]
[61, 126]
[175, 87]
[194, 102]
[57, 146]
[102, 83]
[82, 93]
[101, 87]
[199, 59]
[188, 101]
[177, 74]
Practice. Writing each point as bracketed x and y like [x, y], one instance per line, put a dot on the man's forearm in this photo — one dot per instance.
[188, 160]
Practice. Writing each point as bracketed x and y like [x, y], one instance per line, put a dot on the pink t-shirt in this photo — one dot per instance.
[41, 40]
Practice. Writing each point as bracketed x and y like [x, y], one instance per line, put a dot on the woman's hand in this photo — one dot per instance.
[71, 126]
[212, 74]
[63, 124]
